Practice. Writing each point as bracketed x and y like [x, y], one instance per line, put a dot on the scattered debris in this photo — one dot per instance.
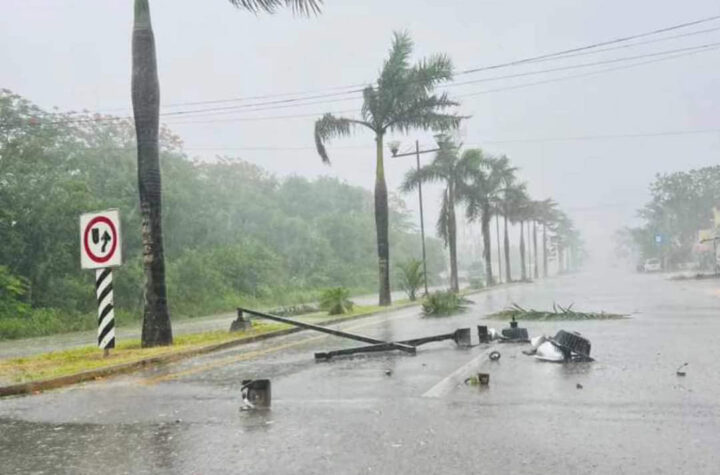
[483, 335]
[559, 313]
[256, 394]
[680, 371]
[461, 337]
[578, 386]
[481, 379]
[514, 334]
[494, 355]
[563, 347]
[388, 372]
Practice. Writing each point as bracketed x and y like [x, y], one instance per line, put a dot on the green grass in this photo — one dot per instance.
[558, 313]
[62, 363]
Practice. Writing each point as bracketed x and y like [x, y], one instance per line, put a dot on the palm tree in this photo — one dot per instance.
[484, 196]
[513, 195]
[157, 329]
[401, 100]
[454, 172]
[546, 215]
[520, 212]
[411, 277]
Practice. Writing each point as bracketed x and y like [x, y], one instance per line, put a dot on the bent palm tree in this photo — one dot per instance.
[454, 172]
[401, 100]
[156, 329]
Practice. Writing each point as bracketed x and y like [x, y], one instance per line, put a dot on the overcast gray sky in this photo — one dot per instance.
[75, 54]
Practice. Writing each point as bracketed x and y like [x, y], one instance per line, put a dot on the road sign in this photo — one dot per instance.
[100, 244]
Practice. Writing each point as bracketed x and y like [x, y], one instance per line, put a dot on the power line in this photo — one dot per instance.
[563, 54]
[591, 46]
[250, 108]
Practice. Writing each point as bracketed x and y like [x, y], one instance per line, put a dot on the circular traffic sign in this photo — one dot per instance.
[100, 259]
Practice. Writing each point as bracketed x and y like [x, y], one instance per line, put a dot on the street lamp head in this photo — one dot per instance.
[394, 147]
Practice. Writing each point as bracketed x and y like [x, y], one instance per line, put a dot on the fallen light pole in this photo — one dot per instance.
[460, 336]
[390, 345]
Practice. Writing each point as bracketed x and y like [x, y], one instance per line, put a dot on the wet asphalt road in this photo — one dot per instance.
[632, 415]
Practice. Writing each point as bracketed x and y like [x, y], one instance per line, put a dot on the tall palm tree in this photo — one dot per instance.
[513, 195]
[454, 172]
[546, 214]
[156, 329]
[401, 100]
[520, 212]
[484, 196]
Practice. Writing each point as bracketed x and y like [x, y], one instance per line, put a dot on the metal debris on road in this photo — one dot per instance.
[563, 347]
[461, 337]
[256, 394]
[680, 371]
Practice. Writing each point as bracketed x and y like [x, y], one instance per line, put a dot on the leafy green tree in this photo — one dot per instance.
[401, 100]
[411, 277]
[156, 328]
[455, 173]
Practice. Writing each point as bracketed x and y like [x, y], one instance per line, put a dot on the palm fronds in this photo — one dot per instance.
[558, 313]
[303, 7]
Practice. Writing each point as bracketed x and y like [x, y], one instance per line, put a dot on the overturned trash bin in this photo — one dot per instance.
[256, 393]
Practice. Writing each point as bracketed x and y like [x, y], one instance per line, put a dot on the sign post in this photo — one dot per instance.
[100, 249]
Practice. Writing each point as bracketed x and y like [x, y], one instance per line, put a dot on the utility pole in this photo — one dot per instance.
[394, 149]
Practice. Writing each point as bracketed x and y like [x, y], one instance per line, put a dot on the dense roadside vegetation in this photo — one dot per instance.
[234, 234]
[681, 206]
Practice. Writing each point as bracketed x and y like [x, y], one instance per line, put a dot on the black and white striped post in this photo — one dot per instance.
[100, 249]
[106, 313]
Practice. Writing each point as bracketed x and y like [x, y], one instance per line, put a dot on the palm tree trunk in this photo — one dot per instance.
[545, 251]
[523, 271]
[485, 221]
[506, 245]
[452, 239]
[536, 272]
[156, 329]
[381, 225]
[499, 257]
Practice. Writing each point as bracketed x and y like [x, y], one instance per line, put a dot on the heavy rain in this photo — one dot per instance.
[323, 236]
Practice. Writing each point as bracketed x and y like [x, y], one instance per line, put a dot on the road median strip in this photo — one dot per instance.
[167, 354]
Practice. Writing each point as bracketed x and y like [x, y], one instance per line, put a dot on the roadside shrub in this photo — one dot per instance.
[443, 303]
[411, 277]
[336, 301]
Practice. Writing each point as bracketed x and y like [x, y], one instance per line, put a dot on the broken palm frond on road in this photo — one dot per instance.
[558, 312]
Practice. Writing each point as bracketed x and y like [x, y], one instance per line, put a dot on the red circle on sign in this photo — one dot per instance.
[91, 255]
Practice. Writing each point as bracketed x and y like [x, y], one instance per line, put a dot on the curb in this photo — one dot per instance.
[124, 368]
[31, 387]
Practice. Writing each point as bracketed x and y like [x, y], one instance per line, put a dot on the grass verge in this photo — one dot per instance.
[57, 364]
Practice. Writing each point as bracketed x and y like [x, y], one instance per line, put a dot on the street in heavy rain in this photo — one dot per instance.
[626, 412]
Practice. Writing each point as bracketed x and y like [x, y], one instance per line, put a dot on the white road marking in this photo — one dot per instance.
[458, 376]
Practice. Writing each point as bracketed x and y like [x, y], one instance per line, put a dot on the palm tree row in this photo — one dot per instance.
[403, 99]
[488, 188]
